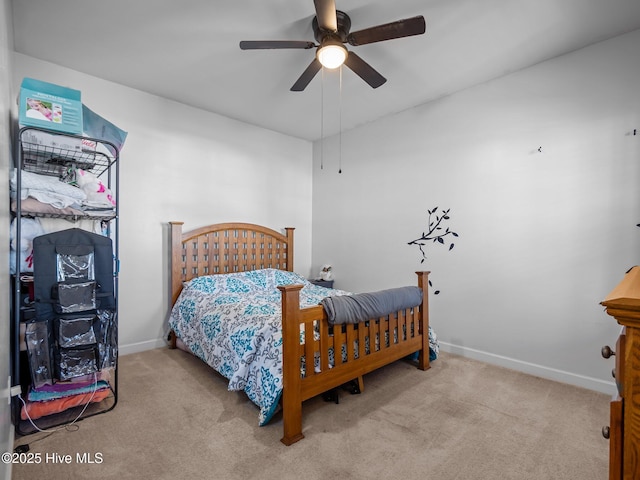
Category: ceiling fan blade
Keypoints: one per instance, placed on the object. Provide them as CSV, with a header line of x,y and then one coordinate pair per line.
x,y
388,31
307,76
266,44
326,14
364,70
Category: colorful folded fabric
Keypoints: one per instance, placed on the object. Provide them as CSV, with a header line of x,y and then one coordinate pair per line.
x,y
60,390
41,409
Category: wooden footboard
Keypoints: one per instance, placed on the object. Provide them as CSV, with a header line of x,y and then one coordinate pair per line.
x,y
367,345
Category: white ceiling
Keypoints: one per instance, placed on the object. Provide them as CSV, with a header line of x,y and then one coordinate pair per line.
x,y
188,50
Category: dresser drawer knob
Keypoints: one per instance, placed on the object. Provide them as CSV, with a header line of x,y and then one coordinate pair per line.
x,y
607,352
605,432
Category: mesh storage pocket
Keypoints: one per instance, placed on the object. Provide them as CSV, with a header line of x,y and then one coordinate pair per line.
x,y
76,331
76,266
39,352
76,362
107,333
74,297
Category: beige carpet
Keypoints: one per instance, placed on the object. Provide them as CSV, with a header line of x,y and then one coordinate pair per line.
x,y
462,420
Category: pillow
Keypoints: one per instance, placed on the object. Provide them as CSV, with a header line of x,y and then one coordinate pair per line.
x,y
239,282
206,284
282,277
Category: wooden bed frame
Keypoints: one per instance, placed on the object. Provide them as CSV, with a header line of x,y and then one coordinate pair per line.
x,y
238,247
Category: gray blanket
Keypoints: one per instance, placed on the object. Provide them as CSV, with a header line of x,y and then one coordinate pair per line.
x,y
364,306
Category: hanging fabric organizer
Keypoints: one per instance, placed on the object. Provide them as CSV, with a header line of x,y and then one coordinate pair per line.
x,y
75,301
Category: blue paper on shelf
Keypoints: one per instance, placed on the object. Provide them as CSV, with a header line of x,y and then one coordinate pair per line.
x,y
50,106
97,127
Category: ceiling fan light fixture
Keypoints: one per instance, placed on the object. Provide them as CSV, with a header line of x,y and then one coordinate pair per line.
x,y
332,54
332,31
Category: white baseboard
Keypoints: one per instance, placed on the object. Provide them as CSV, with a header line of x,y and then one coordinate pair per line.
x,y
141,346
531,368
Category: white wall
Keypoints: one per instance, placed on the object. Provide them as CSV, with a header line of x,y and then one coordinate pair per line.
x,y
6,47
181,163
544,236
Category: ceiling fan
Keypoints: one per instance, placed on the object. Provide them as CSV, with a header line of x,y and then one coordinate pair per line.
x,y
331,31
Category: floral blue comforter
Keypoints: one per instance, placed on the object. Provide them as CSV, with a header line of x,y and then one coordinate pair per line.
x,y
233,322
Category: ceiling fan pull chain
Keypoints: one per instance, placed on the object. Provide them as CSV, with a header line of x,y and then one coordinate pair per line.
x,y
340,126
322,121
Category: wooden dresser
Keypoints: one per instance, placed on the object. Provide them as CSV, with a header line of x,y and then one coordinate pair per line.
x,y
623,304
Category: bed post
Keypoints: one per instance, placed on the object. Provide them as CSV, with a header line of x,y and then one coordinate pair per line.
x,y
290,250
423,356
176,251
291,381
176,261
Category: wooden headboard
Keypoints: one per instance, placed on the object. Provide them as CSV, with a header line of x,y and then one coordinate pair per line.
x,y
226,248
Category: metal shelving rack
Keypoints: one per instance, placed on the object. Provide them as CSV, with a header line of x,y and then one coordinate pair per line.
x,y
55,157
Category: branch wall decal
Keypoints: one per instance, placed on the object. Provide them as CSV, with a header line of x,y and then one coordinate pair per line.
x,y
435,233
